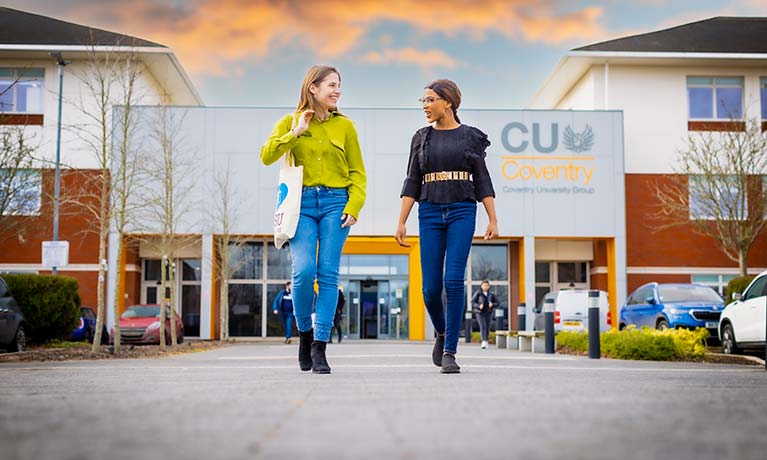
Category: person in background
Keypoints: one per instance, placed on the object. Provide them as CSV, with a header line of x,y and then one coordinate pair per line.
x,y
339,314
283,306
484,302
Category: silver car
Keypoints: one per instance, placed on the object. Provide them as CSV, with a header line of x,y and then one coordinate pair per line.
x,y
12,334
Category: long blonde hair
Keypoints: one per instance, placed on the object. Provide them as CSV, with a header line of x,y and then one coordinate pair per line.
x,y
314,76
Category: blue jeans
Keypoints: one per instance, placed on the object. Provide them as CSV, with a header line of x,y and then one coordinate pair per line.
x,y
315,252
446,231
287,323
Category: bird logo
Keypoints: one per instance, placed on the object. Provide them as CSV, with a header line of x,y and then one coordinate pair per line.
x,y
578,142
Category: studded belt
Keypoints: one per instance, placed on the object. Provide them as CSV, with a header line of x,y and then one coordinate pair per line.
x,y
446,175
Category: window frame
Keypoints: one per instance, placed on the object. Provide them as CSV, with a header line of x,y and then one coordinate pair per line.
x,y
714,102
699,216
20,75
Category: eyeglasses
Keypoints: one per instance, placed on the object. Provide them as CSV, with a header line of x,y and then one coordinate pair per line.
x,y
428,100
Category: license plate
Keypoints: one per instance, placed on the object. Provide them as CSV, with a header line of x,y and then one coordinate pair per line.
x,y
572,323
712,325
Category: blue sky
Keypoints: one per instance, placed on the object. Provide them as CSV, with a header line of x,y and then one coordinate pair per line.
x,y
254,53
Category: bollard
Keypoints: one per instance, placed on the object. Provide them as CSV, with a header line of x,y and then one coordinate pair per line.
x,y
522,316
548,313
467,323
594,351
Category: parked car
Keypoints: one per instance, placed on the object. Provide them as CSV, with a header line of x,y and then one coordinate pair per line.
x,y
139,324
571,311
742,325
86,328
13,335
664,306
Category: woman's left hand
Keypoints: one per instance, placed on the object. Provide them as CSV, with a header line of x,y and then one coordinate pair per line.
x,y
492,231
348,219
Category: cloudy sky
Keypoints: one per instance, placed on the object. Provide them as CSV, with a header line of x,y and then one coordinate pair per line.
x,y
255,52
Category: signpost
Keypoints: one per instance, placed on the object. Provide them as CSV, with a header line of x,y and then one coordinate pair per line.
x,y
55,254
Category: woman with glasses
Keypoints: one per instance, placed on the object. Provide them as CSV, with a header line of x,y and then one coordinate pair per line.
x,y
325,142
447,175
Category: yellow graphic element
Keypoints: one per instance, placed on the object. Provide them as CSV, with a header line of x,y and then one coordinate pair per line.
x,y
515,167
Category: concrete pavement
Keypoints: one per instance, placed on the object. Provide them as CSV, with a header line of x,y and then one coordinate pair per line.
x,y
383,400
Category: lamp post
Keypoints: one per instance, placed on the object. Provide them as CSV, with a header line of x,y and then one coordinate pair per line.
x,y
57,185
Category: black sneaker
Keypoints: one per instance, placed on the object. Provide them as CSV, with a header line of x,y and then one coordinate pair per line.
x,y
439,348
449,366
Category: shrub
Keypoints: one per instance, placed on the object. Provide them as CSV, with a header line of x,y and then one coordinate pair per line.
x,y
641,344
476,338
51,304
738,284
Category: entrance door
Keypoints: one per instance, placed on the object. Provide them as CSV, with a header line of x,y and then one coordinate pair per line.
x,y
367,312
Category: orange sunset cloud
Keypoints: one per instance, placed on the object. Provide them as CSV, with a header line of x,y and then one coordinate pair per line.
x,y
212,37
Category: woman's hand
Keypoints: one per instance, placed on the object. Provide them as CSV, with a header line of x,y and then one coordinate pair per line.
x,y
491,231
401,236
348,219
303,122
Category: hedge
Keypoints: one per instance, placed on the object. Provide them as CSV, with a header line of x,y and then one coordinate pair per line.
x,y
641,344
51,305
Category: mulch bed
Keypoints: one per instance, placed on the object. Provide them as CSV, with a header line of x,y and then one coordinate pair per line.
x,y
77,353
709,357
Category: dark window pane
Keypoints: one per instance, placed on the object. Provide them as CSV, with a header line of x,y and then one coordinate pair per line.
x,y
245,310
571,272
489,262
191,269
701,104
152,271
246,261
540,292
151,295
763,94
190,310
278,263
542,272
729,103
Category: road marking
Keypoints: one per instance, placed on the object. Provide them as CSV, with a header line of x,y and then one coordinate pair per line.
x,y
419,356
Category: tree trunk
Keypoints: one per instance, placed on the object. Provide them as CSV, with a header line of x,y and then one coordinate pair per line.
x,y
742,263
100,310
163,290
173,302
117,293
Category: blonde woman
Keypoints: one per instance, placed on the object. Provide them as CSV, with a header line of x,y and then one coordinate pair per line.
x,y
325,142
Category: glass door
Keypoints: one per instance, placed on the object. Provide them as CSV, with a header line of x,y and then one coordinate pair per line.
x,y
383,310
351,314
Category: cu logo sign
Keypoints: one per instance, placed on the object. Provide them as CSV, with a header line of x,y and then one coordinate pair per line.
x,y
574,141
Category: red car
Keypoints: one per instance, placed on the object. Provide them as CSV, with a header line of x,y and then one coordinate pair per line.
x,y
140,324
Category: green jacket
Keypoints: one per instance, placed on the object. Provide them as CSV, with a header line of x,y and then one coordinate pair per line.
x,y
329,152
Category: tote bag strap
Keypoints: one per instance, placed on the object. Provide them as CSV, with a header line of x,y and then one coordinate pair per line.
x,y
289,159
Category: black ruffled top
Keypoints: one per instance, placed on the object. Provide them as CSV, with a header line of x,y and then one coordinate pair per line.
x,y
435,150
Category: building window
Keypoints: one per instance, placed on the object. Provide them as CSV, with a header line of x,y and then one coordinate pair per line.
x,y
716,198
763,96
20,191
719,98
715,282
21,90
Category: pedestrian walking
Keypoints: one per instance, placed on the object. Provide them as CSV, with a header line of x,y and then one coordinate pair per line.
x,y
484,302
339,315
283,306
325,143
447,175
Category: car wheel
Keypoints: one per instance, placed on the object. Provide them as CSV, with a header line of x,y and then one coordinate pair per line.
x,y
19,343
621,327
662,325
729,345
89,335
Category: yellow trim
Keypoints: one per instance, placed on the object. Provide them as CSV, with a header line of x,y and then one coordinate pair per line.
x,y
612,281
387,245
522,270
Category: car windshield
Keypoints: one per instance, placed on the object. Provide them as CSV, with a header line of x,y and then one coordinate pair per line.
x,y
141,312
688,293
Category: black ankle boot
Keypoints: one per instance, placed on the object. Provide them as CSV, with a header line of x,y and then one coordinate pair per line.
x,y
449,366
305,349
319,361
439,348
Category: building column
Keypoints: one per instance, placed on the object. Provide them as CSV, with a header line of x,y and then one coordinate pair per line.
x,y
206,288
528,268
112,279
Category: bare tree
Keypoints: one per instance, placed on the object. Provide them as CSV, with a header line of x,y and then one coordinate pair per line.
x,y
223,219
20,183
110,82
167,202
719,188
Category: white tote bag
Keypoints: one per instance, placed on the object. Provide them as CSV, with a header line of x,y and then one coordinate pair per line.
x,y
288,198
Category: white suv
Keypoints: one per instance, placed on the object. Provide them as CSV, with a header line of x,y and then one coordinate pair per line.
x,y
742,322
